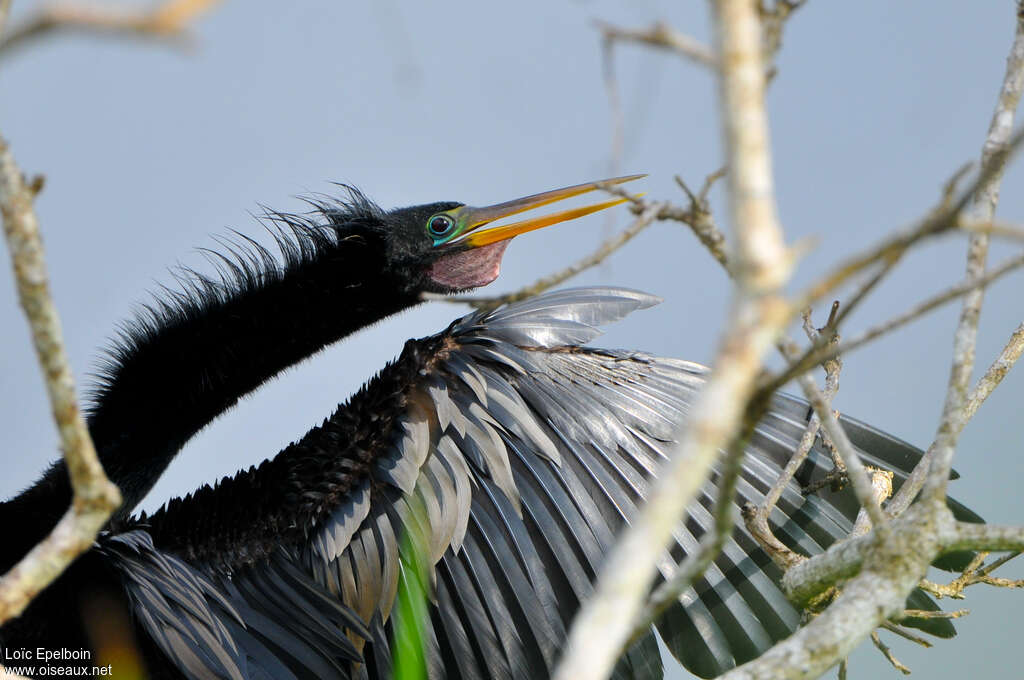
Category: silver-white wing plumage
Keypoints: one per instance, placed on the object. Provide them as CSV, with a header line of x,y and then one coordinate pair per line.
x,y
518,457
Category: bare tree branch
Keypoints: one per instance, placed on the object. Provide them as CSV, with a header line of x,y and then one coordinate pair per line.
x,y
166,20
917,311
904,633
843,560
755,517
889,566
932,472
990,537
867,562
759,314
996,372
697,216
934,614
945,218
819,353
95,497
885,255
976,572
712,542
889,570
855,469
5,10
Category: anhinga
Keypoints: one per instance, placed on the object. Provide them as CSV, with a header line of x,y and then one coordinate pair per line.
x,y
515,451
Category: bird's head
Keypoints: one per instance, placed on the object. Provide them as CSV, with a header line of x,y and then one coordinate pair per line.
x,y
448,247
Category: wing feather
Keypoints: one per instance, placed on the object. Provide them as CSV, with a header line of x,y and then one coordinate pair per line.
x,y
518,456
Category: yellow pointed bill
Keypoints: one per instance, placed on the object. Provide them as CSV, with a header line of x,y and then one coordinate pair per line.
x,y
475,218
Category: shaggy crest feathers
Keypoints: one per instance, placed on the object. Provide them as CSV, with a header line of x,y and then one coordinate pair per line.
x,y
243,267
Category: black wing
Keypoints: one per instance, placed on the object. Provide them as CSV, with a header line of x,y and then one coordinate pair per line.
x,y
519,455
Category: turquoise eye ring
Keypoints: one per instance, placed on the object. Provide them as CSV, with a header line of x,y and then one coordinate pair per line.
x,y
440,225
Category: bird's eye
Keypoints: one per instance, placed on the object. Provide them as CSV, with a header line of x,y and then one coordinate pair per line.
x,y
440,225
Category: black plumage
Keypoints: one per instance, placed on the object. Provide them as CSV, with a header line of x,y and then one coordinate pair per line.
x,y
516,451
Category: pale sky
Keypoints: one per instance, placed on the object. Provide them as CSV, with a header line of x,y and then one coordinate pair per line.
x,y
150,152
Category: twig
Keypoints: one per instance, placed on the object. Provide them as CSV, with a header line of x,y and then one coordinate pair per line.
x,y
812,356
996,372
95,497
758,315
975,573
838,470
866,492
949,189
889,252
755,517
888,571
855,470
933,614
663,36
705,188
699,219
905,634
887,653
697,216
919,529
166,20
804,447
879,574
992,566
966,286
539,286
659,35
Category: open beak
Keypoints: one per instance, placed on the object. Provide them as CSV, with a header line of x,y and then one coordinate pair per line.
x,y
475,218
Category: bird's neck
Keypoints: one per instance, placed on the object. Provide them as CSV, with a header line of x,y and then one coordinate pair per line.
x,y
193,359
